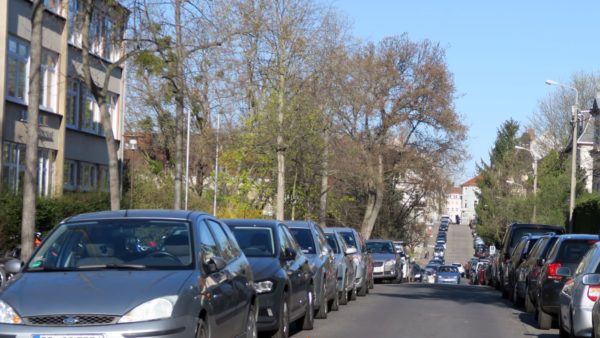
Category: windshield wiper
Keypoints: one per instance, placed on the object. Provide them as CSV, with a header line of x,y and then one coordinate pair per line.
x,y
48,268
112,266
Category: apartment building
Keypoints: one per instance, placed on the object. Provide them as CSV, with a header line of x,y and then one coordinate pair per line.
x,y
454,203
72,149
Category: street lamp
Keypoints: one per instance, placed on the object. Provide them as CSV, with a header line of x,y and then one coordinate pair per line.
x,y
575,112
535,178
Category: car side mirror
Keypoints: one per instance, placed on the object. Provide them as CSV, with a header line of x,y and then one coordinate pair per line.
x,y
13,266
350,251
215,264
289,254
591,279
540,261
563,272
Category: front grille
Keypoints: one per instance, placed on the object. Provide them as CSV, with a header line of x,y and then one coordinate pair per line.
x,y
70,320
377,264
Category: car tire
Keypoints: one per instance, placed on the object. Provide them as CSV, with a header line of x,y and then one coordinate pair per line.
x,y
362,291
562,333
352,294
284,319
544,320
517,302
371,282
343,296
307,322
334,304
529,307
202,329
251,329
322,311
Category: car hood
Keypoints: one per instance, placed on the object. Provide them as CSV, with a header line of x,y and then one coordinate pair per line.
x,y
90,292
383,257
264,267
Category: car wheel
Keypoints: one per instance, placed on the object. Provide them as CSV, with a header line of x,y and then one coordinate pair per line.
x,y
334,304
353,293
362,291
544,320
322,311
284,319
202,330
515,296
251,330
371,282
529,308
306,322
343,296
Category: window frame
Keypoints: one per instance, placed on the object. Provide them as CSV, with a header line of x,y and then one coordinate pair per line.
x,y
19,60
70,185
49,87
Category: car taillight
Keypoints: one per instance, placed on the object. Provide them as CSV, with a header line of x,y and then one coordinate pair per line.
x,y
552,267
593,292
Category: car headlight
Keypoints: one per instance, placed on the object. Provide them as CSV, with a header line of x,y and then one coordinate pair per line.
x,y
8,315
157,308
264,286
390,264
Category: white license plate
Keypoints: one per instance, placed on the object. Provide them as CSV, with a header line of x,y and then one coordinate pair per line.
x,y
67,336
378,269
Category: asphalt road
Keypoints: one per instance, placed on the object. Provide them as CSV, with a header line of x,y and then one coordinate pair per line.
x,y
425,310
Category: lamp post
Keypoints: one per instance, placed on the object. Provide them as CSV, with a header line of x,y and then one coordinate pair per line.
x,y
535,178
575,112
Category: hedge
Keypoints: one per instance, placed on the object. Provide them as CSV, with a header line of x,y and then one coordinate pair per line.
x,y
586,215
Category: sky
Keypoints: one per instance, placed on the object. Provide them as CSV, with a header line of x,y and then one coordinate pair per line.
x,y
500,52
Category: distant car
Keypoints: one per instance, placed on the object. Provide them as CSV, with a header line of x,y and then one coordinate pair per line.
x,y
416,273
439,251
430,273
363,261
567,252
447,274
314,245
513,234
345,266
284,280
387,264
399,246
460,268
91,281
579,295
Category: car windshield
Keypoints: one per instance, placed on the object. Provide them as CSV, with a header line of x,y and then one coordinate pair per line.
x,y
116,244
572,251
332,243
380,247
349,238
447,269
255,241
304,237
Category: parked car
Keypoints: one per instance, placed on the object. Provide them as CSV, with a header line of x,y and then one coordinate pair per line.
x,y
447,274
438,251
567,252
430,273
387,264
460,268
363,261
399,246
284,279
110,289
513,234
311,239
516,286
345,266
416,273
478,273
529,271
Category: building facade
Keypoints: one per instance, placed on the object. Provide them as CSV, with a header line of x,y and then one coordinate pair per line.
x,y
72,148
470,199
454,203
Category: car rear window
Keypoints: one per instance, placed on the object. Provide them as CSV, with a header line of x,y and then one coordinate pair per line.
x,y
520,232
381,247
304,237
349,238
255,241
332,243
572,251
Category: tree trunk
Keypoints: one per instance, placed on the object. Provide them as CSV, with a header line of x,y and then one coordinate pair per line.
x,y
31,153
179,101
112,149
375,199
324,180
280,198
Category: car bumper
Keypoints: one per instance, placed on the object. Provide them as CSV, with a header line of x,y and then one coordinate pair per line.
x,y
549,300
448,281
582,322
168,328
385,274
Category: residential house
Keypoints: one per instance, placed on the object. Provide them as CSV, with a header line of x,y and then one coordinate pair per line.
x,y
453,203
470,199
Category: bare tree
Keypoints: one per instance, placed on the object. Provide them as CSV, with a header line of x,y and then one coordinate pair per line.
x,y
31,153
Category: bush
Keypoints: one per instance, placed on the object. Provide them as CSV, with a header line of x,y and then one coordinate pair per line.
x,y
50,211
586,216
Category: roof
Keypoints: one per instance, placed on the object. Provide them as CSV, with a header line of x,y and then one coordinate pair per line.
x,y
251,222
472,182
298,224
141,213
455,190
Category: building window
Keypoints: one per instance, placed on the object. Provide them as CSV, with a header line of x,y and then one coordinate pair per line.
x,y
48,81
104,184
73,104
89,177
74,24
16,74
108,39
89,112
42,118
70,175
44,172
14,168
53,5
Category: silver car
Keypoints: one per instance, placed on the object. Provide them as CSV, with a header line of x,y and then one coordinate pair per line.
x,y
579,294
135,273
346,273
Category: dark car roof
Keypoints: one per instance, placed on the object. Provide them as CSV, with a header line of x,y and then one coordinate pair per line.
x,y
537,226
379,241
298,224
251,222
142,213
341,229
577,236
